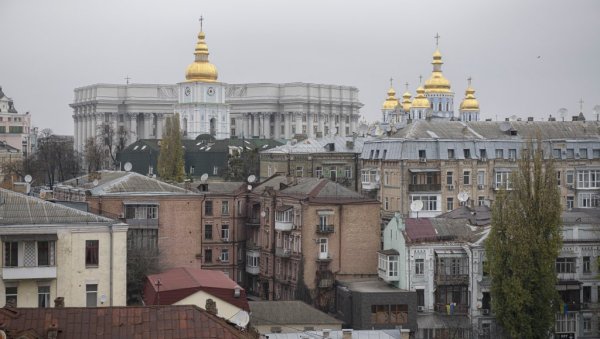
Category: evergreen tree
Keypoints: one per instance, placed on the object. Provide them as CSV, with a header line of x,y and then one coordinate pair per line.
x,y
170,159
524,242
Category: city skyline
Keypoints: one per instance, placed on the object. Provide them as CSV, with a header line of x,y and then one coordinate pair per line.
x,y
525,59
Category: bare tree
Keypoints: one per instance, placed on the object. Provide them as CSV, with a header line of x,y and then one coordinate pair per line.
x,y
94,155
112,141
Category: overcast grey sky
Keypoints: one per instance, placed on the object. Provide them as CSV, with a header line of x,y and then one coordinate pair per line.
x,y
528,58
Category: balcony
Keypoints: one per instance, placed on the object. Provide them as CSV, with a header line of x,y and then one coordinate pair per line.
x,y
324,256
284,226
252,246
254,270
324,229
456,309
370,185
142,223
424,187
452,279
253,222
22,272
252,261
283,252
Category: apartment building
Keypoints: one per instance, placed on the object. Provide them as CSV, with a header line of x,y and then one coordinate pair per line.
x,y
305,233
433,161
51,251
334,158
15,127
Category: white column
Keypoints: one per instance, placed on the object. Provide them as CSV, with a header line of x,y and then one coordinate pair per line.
x,y
159,125
322,124
267,124
309,124
277,127
298,117
286,125
343,124
255,122
133,128
332,124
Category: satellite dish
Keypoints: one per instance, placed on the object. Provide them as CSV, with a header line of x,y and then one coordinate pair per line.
x,y
28,178
251,178
95,182
263,214
463,196
249,187
242,318
204,177
127,166
416,206
389,128
505,126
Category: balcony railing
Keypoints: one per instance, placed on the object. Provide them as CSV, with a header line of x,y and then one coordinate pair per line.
x,y
23,272
283,226
385,275
283,252
142,223
324,228
452,279
424,187
323,256
456,309
253,222
370,185
255,270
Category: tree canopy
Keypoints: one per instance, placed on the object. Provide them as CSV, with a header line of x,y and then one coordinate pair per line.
x,y
524,242
170,159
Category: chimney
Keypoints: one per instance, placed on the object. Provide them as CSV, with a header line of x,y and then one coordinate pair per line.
x,y
59,302
52,332
529,118
211,307
575,118
346,334
326,333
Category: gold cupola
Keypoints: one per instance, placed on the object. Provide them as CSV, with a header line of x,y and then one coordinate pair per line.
x,y
406,102
437,83
469,103
420,100
391,102
201,69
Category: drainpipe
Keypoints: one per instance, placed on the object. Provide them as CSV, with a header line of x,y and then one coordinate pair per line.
x,y
111,263
341,211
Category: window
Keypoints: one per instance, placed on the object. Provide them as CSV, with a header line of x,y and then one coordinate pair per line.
x,y
480,177
384,152
483,153
570,202
208,232
91,253
422,154
11,254
224,255
449,178
588,179
225,232
570,153
208,208
570,178
419,266
430,202
499,153
43,296
323,248
11,295
587,265
467,153
319,172
376,154
208,255
467,177
141,212
588,200
480,201
348,170
587,324
565,265
556,153
215,170
583,153
225,207
512,154
558,178
587,294
565,322
45,253
285,216
15,129
420,297
252,261
449,204
502,180
451,154
368,176
386,178
91,295
392,269
333,173
299,171
596,153
389,314
386,203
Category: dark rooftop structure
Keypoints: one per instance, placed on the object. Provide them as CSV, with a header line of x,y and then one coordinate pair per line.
x,y
168,321
287,312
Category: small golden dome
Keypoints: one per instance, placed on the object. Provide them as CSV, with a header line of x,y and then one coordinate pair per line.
x,y
391,102
469,103
437,83
406,102
201,69
420,101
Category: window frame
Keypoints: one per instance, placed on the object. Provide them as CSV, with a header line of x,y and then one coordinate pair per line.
x,y
92,253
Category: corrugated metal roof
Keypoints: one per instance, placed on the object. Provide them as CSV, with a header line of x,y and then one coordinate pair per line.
x,y
19,209
287,313
319,145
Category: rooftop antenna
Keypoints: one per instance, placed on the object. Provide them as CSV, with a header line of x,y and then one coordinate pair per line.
x,y
581,105
416,206
127,78
597,111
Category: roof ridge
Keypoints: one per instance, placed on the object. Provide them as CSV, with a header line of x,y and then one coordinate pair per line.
x,y
315,191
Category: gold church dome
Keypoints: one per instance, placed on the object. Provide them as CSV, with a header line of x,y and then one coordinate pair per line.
x,y
391,102
201,69
420,101
437,83
469,103
406,102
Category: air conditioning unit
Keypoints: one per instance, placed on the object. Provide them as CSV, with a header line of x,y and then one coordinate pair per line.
x,y
422,159
420,308
450,187
485,312
480,187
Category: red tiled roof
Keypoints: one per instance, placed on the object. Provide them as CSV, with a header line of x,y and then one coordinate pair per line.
x,y
167,321
178,283
419,229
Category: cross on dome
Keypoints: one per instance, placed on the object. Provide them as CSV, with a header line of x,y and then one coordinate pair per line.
x,y
437,39
201,21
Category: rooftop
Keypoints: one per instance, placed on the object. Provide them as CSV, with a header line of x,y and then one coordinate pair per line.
x,y
320,145
287,312
442,230
20,209
369,285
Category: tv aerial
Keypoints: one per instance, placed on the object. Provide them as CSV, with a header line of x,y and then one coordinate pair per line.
x,y
204,177
416,206
597,112
563,113
127,166
463,196
95,182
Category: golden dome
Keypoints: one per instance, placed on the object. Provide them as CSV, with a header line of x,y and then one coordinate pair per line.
x,y
420,101
406,102
201,69
469,103
391,102
437,83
